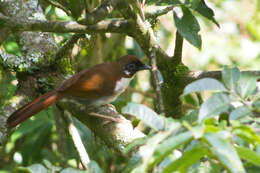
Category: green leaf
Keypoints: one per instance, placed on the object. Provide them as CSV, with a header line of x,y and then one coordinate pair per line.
x,y
204,84
139,161
216,104
230,77
188,27
94,168
35,168
225,152
147,115
204,10
188,158
245,132
72,170
167,146
240,112
248,155
197,131
246,85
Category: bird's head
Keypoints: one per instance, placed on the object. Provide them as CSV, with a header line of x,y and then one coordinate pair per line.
x,y
130,64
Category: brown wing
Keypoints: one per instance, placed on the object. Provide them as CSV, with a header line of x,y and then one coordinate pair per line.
x,y
91,83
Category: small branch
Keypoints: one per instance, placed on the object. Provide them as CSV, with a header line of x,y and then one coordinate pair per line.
x,y
68,46
177,57
21,24
76,139
101,12
160,106
215,74
159,12
56,4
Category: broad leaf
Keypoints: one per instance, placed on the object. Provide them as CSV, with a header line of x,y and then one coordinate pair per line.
x,y
201,7
246,85
224,151
35,168
139,161
188,158
147,115
205,84
216,104
72,170
197,131
248,155
167,146
230,77
245,132
240,112
188,27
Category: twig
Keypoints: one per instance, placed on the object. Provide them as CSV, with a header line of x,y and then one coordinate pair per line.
x,y
157,82
159,12
101,12
177,57
68,46
217,74
56,4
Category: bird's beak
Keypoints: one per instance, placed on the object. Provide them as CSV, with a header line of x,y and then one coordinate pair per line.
x,y
145,67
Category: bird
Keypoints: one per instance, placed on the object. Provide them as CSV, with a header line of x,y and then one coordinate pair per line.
x,y
95,86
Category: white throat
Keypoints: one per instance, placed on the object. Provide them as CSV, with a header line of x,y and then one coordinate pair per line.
x,y
121,85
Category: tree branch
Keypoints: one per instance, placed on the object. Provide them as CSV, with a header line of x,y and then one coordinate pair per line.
x,y
158,12
115,134
177,57
21,24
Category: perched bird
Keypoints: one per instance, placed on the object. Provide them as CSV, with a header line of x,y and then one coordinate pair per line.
x,y
95,86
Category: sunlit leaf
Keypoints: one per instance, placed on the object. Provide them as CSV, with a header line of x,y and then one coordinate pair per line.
x,y
139,161
248,155
35,168
205,84
72,170
245,132
240,112
188,158
147,115
230,77
188,27
167,146
225,152
216,104
246,85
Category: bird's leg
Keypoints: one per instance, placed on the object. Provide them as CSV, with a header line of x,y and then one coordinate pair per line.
x,y
118,120
108,111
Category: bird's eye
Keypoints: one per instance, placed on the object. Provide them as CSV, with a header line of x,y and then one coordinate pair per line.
x,y
131,67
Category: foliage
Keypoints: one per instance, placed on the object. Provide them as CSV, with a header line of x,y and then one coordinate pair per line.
x,y
229,143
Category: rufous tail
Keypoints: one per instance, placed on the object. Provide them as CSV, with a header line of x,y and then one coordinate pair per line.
x,y
32,108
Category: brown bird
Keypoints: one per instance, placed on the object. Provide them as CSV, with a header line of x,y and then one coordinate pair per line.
x,y
96,86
